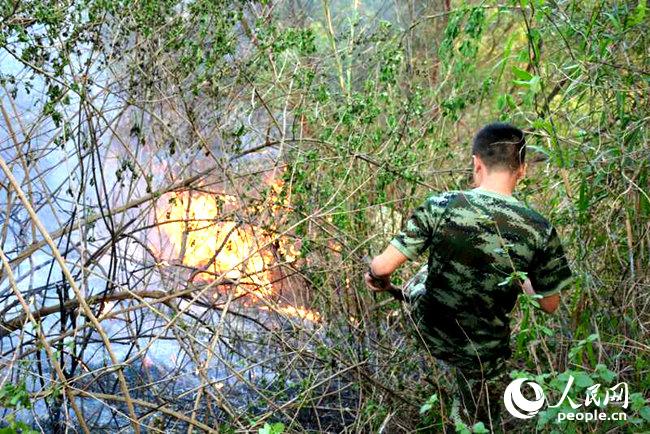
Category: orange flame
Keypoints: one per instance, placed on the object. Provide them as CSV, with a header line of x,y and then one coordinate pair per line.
x,y
218,248
202,237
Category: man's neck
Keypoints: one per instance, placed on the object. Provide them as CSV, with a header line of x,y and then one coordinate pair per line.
x,y
497,183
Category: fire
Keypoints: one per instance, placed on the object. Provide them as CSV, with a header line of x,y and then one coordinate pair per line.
x,y
204,235
300,312
295,312
234,251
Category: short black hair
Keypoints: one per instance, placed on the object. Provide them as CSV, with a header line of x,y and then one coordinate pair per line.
x,y
500,146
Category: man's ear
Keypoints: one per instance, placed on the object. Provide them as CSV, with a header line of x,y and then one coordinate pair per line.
x,y
478,170
521,172
476,162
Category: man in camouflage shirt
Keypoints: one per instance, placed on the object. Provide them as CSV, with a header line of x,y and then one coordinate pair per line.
x,y
480,243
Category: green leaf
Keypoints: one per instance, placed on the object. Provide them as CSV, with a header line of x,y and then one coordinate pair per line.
x,y
429,404
461,428
535,84
505,282
542,124
521,275
582,379
479,428
505,101
276,428
639,13
547,331
605,373
521,74
645,413
637,400
614,21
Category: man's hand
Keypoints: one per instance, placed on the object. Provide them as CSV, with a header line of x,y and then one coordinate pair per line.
x,y
381,285
378,283
550,303
381,267
547,304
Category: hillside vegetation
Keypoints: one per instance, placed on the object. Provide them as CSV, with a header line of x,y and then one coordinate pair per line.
x,y
189,191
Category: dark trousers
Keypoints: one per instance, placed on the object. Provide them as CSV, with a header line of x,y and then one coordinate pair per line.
x,y
478,387
480,398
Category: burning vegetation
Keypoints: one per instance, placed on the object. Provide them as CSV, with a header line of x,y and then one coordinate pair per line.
x,y
212,235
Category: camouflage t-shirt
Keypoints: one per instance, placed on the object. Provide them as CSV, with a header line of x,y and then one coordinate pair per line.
x,y
475,240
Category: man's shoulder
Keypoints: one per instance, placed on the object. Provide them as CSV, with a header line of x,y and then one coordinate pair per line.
x,y
436,203
517,205
517,212
535,218
442,198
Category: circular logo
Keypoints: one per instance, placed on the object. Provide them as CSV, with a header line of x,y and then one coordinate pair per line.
x,y
515,402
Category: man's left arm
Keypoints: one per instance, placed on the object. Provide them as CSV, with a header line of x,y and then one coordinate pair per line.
x,y
550,273
549,303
